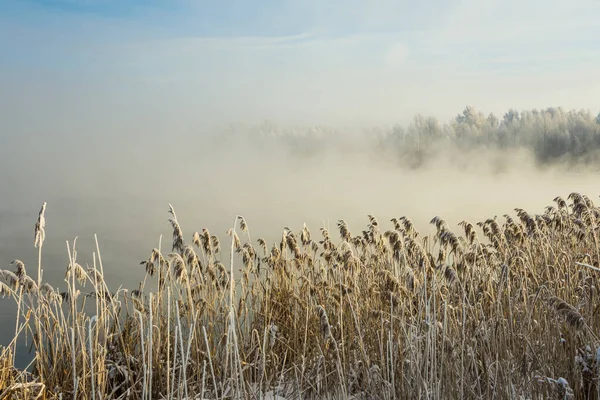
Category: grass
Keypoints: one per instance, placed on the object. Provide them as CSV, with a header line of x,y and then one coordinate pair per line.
x,y
505,309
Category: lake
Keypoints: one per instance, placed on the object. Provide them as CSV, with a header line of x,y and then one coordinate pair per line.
x,y
122,194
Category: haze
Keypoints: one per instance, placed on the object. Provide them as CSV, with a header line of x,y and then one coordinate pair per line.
x,y
109,112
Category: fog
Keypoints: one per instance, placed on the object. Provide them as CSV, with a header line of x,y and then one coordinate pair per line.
x,y
119,187
120,190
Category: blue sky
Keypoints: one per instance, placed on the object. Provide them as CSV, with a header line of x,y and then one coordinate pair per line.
x,y
327,61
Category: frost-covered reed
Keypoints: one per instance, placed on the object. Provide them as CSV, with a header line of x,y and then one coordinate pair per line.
x,y
505,308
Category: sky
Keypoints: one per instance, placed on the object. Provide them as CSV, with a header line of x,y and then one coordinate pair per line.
x,y
184,63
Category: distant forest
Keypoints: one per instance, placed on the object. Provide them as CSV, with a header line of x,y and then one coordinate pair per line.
x,y
552,135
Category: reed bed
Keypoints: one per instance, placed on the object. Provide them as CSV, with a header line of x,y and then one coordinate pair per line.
x,y
503,308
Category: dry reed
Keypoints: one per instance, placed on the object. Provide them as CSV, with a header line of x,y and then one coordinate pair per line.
x,y
383,314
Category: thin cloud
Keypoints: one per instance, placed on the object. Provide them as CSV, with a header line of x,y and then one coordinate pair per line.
x,y
334,61
396,55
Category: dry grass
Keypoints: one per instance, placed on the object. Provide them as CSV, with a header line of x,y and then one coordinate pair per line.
x,y
387,314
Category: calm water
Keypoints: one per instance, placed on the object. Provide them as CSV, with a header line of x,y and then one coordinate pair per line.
x,y
122,195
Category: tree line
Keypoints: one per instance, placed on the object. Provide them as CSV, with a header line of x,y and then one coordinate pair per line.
x,y
551,135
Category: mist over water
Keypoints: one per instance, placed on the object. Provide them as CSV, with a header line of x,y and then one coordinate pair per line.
x,y
121,192
121,189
